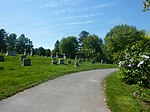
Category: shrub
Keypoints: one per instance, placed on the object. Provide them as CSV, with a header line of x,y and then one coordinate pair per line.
x,y
136,64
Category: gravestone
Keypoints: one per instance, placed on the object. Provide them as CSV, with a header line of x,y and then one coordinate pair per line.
x,y
64,56
61,61
25,52
26,62
76,57
31,53
101,61
22,57
80,60
54,62
11,53
1,58
68,61
76,64
93,61
57,55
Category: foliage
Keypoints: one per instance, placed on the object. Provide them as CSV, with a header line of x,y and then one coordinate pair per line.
x,y
146,5
118,38
83,35
69,46
3,34
92,46
11,41
41,51
23,43
56,47
136,64
120,96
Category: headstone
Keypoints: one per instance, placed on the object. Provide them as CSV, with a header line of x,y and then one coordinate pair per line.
x,y
76,64
25,51
64,56
93,61
101,61
80,60
57,55
54,62
31,53
11,53
22,57
68,61
1,58
76,57
26,62
61,61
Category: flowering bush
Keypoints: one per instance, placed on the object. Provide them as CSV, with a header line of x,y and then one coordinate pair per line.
x,y
136,64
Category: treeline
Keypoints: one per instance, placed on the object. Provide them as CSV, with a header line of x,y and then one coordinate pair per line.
x,y
87,46
11,42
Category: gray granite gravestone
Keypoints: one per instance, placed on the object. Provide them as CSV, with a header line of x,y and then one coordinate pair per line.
x,y
26,62
1,58
68,61
76,64
61,61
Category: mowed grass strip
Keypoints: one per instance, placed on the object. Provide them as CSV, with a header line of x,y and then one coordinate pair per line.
x,y
15,78
119,96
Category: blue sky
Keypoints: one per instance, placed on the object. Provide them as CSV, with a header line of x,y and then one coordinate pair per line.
x,y
45,21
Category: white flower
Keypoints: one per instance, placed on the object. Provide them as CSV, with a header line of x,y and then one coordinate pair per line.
x,y
141,63
121,63
144,56
130,65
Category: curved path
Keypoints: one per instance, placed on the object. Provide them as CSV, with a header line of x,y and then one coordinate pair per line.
x,y
77,92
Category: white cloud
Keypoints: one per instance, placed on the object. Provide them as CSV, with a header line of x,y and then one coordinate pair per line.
x,y
84,16
63,10
98,6
81,22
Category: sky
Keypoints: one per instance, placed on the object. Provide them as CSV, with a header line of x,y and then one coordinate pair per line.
x,y
45,21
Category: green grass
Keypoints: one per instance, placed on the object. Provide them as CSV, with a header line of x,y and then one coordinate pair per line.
x,y
120,98
15,78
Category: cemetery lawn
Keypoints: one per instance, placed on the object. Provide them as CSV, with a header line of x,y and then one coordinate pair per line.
x,y
120,98
15,78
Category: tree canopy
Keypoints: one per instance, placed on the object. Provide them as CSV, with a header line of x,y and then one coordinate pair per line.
x,y
68,46
119,37
146,6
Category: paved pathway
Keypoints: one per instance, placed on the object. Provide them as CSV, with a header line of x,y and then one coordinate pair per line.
x,y
77,92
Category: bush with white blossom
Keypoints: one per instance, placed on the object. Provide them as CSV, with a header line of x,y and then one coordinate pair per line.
x,y
136,64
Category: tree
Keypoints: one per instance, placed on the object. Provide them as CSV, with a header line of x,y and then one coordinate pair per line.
x,y
11,41
56,47
69,46
92,46
146,5
119,38
2,41
47,52
41,51
83,35
23,43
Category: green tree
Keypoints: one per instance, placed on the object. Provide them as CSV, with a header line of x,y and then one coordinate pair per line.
x,y
23,43
56,47
41,51
11,41
69,46
119,38
47,52
146,6
3,34
83,35
92,46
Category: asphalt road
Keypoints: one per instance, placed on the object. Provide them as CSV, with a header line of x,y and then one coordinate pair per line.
x,y
77,92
